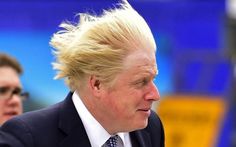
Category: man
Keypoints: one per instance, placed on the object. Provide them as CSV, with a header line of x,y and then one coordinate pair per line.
x,y
109,64
10,88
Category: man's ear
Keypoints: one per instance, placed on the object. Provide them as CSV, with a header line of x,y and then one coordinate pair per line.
x,y
95,85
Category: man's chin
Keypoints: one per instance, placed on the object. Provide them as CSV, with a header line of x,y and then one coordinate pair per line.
x,y
143,124
8,116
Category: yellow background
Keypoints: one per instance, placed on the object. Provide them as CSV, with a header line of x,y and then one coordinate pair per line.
x,y
191,121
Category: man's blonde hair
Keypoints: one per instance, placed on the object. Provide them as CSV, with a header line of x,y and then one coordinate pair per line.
x,y
97,45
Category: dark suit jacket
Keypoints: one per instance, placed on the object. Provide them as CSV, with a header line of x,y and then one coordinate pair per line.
x,y
60,126
7,140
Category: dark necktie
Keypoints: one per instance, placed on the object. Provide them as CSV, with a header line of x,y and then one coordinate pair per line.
x,y
112,141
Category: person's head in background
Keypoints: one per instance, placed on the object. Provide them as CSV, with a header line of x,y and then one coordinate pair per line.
x,y
10,88
110,61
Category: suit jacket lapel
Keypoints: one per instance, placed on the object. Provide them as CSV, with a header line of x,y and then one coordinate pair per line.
x,y
72,126
140,138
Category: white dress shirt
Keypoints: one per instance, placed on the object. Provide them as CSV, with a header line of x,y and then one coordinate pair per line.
x,y
96,133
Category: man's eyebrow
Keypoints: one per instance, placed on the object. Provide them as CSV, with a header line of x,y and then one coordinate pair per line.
x,y
18,88
145,75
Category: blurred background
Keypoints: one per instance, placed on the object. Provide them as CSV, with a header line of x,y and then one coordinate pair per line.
x,y
196,56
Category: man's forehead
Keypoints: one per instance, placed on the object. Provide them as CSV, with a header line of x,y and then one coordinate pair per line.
x,y
9,77
140,58
145,70
152,69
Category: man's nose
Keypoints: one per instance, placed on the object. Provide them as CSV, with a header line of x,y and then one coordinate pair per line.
x,y
153,93
14,99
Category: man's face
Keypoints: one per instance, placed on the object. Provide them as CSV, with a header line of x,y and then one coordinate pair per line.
x,y
9,106
127,104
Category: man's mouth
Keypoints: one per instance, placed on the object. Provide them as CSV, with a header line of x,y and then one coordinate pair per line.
x,y
146,111
10,113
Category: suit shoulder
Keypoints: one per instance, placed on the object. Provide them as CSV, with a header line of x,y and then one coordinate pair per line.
x,y
29,125
7,140
40,115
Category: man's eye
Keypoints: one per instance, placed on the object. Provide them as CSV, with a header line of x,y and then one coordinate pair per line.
x,y
17,91
142,82
3,90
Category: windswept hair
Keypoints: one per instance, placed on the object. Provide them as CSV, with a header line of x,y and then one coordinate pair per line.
x,y
97,45
8,61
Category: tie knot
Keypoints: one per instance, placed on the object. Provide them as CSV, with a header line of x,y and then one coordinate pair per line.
x,y
112,141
